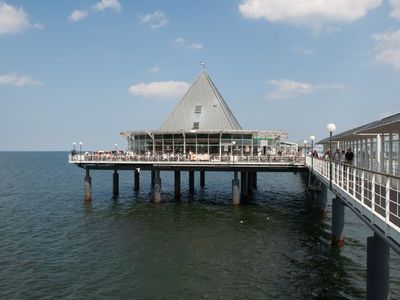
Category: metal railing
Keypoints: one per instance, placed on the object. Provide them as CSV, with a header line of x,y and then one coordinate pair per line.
x,y
378,193
224,159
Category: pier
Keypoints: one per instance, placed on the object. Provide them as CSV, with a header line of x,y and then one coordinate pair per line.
x,y
202,135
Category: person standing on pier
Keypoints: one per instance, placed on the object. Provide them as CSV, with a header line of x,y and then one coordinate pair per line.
x,y
337,156
349,157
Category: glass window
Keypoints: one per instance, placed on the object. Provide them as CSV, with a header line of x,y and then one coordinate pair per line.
x,y
197,109
196,125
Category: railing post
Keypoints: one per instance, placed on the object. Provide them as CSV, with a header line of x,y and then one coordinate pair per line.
x,y
387,202
373,193
354,181
342,171
362,186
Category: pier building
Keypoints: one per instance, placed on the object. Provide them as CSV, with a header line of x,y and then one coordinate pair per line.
x,y
375,145
203,126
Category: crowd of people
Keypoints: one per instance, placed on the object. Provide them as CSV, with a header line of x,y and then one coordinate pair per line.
x,y
338,156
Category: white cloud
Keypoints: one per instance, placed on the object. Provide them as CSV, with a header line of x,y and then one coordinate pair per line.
x,y
387,48
285,89
107,4
182,43
154,70
15,80
303,51
160,89
395,13
155,20
314,13
78,15
15,20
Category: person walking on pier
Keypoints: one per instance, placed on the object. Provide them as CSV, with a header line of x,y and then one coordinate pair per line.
x,y
337,156
349,156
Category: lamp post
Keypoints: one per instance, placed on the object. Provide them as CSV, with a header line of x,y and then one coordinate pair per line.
x,y
73,150
305,150
116,150
312,139
80,151
330,128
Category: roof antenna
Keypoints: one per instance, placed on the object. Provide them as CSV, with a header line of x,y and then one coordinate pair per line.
x,y
203,64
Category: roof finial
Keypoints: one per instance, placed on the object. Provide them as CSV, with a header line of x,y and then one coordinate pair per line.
x,y
203,64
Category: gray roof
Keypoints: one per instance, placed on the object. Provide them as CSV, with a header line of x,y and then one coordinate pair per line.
x,y
214,112
389,124
349,135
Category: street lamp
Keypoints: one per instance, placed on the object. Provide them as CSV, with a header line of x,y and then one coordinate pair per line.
x,y
312,139
305,149
73,151
330,128
80,151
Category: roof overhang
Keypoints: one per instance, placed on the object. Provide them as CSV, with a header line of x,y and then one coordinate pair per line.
x,y
233,131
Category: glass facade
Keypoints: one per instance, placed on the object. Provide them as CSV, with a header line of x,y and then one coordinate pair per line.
x,y
241,144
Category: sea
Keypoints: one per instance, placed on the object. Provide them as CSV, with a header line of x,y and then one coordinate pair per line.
x,y
53,245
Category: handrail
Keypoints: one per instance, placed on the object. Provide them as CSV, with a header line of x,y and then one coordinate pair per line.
x,y
205,158
376,192
356,167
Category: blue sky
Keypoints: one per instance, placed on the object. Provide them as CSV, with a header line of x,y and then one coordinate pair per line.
x,y
82,71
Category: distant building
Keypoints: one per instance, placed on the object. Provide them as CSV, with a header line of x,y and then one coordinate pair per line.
x,y
203,124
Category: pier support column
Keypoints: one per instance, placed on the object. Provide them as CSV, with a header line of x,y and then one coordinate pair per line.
x,y
235,189
250,179
136,185
202,178
243,184
88,186
191,182
115,183
157,187
254,180
337,222
177,177
152,176
377,268
322,199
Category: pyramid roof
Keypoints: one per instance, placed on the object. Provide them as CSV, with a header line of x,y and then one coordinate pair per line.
x,y
202,108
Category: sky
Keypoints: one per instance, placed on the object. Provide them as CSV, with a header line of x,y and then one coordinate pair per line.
x,y
83,71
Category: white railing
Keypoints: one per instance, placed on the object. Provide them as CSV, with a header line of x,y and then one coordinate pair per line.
x,y
224,159
378,193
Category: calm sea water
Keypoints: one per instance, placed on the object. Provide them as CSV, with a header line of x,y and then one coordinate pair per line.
x,y
53,245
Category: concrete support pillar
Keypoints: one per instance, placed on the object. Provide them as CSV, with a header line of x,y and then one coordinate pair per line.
x,y
191,182
377,268
157,187
202,178
243,184
235,190
254,180
137,180
322,199
337,222
250,179
88,186
177,178
153,176
115,183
